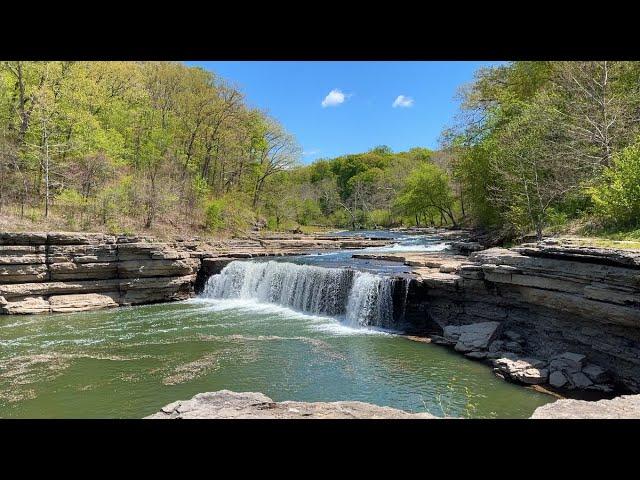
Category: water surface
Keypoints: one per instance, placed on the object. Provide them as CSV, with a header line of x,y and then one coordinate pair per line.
x,y
129,362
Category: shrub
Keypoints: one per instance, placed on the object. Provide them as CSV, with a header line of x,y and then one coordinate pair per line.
x,y
617,198
228,213
70,203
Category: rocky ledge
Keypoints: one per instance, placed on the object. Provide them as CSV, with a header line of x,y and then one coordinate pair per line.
x,y
69,272
61,272
225,404
553,313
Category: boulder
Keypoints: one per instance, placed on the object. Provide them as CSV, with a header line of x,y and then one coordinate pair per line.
x,y
473,337
557,379
24,306
595,373
580,380
573,360
525,370
82,302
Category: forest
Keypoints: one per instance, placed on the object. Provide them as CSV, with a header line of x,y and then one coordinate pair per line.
x,y
537,147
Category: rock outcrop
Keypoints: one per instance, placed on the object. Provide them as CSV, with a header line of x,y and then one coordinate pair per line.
x,y
568,316
225,404
60,272
623,407
51,272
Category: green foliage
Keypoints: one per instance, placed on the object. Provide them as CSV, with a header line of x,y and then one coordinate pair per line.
x,y
427,194
143,144
381,218
230,213
535,136
70,203
215,214
617,198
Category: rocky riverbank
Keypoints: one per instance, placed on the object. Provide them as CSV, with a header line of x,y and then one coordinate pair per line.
x,y
552,313
54,272
549,313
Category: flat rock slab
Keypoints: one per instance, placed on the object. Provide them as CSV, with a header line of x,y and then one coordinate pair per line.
x,y
625,406
474,336
225,404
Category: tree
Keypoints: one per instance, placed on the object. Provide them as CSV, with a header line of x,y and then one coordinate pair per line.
x,y
428,191
277,151
617,197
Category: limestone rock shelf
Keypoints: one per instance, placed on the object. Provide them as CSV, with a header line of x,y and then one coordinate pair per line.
x,y
564,315
225,404
623,407
71,272
51,272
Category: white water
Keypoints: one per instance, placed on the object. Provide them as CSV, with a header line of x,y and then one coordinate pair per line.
x,y
358,298
409,244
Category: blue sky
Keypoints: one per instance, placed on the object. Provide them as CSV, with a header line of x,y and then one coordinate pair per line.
x,y
359,114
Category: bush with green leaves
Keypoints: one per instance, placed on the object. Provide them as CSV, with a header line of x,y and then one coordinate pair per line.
x,y
230,213
617,198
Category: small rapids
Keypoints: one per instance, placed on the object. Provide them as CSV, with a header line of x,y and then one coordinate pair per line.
x,y
357,298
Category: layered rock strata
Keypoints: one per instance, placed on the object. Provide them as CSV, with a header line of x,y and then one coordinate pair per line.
x,y
564,315
56,272
70,272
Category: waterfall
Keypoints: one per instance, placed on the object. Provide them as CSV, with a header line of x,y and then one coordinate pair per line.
x,y
360,298
370,300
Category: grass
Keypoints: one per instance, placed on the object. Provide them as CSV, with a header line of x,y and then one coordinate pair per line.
x,y
608,242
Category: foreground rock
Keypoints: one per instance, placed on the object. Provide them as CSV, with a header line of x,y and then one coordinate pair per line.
x,y
624,407
225,404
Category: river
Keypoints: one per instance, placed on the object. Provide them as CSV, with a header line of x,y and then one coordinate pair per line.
x,y
299,328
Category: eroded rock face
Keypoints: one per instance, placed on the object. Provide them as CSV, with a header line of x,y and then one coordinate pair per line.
x,y
623,407
225,404
575,308
73,272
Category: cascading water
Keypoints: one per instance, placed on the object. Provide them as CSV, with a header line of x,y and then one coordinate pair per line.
x,y
370,300
360,298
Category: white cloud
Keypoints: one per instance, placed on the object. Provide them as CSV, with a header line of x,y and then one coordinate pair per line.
x,y
402,101
334,98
